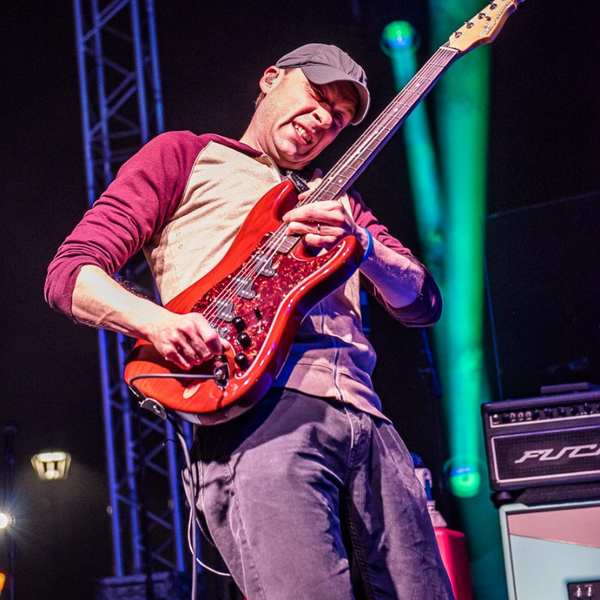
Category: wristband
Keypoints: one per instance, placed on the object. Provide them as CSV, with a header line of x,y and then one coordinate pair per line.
x,y
369,249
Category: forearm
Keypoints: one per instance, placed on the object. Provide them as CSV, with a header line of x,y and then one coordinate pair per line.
x,y
186,339
398,279
98,300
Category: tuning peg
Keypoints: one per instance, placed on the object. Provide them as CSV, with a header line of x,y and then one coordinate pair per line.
x,y
493,5
468,24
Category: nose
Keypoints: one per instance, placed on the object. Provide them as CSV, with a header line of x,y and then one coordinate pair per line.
x,y
323,117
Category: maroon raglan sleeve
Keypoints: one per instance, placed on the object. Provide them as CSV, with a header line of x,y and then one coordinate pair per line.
x,y
137,203
427,308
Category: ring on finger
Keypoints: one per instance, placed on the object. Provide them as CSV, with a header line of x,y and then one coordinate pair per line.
x,y
319,228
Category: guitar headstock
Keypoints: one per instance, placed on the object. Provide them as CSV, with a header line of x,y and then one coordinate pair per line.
x,y
484,26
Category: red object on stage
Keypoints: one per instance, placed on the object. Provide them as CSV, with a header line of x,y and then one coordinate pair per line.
x,y
453,548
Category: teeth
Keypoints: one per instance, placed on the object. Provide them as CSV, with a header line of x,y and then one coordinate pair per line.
x,y
302,132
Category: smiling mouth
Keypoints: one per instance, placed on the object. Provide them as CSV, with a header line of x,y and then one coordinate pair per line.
x,y
302,133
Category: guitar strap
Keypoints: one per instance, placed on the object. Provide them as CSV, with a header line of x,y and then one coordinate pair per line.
x,y
299,183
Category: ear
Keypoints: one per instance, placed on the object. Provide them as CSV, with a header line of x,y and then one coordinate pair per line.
x,y
270,79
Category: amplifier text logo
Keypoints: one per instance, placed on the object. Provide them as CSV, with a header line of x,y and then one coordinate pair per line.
x,y
568,452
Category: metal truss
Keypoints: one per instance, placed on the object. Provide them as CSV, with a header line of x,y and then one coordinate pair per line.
x,y
121,110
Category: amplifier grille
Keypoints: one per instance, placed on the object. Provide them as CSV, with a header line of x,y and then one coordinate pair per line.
x,y
543,455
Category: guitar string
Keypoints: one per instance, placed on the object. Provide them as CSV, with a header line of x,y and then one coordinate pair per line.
x,y
247,276
383,124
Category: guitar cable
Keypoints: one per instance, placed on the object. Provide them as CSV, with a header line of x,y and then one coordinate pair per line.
x,y
192,486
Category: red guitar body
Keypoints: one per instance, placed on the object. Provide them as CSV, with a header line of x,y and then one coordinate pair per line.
x,y
292,284
273,297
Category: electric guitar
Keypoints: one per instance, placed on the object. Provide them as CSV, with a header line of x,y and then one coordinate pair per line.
x,y
260,292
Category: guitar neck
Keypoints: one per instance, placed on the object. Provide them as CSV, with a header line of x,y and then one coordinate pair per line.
x,y
347,170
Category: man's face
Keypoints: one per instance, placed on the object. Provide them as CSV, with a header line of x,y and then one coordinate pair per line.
x,y
298,119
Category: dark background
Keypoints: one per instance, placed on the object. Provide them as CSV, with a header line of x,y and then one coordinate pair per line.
x,y
544,131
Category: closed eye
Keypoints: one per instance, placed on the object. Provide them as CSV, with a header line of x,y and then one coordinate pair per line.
x,y
339,117
318,94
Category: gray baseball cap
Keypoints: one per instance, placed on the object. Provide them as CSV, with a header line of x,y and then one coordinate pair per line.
x,y
322,63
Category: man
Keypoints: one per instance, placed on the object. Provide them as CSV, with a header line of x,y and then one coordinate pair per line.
x,y
310,494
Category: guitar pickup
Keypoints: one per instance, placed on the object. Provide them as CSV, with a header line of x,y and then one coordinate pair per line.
x,y
265,266
244,288
224,310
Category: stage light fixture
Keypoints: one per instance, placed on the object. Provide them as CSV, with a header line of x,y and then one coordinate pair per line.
x,y
6,520
51,465
399,35
465,482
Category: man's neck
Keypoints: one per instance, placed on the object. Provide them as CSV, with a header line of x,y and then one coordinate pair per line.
x,y
250,140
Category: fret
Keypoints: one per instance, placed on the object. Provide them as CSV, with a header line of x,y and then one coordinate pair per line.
x,y
404,104
373,145
421,78
418,91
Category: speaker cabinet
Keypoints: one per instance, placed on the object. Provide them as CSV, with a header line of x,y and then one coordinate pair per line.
x,y
552,552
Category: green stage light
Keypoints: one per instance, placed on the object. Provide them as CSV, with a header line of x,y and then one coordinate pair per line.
x,y
399,35
462,114
463,476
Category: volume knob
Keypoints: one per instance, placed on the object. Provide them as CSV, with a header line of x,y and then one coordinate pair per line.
x,y
241,360
239,324
245,340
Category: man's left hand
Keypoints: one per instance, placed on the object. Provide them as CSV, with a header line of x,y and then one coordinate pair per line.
x,y
323,224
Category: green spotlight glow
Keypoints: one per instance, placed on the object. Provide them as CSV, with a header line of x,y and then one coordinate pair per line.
x,y
464,478
462,117
462,113
399,35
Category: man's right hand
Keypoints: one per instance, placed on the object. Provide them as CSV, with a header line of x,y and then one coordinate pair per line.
x,y
185,340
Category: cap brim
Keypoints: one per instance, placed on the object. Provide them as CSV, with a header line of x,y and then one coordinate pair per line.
x,y
322,74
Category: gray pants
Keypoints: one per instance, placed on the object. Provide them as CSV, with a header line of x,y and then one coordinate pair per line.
x,y
308,499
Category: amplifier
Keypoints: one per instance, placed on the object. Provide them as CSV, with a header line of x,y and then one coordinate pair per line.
x,y
543,441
